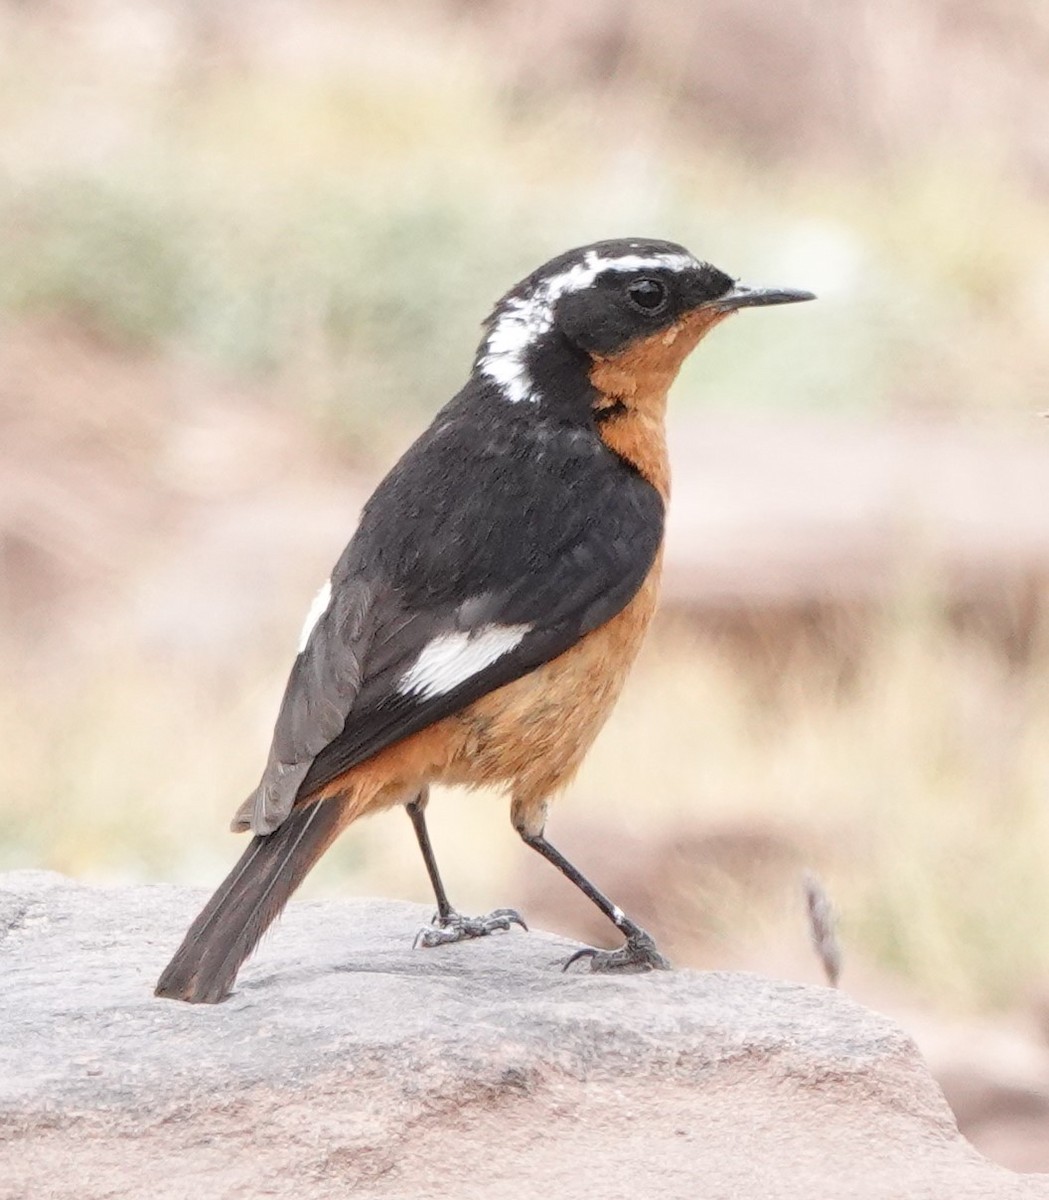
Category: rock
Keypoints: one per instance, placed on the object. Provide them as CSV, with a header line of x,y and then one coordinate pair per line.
x,y
349,1062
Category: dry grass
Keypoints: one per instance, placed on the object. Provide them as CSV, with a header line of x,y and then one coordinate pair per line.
x,y
919,789
922,785
313,206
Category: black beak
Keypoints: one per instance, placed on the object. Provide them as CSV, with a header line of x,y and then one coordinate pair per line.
x,y
739,296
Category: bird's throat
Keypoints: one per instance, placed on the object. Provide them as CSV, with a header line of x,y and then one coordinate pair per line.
x,y
631,394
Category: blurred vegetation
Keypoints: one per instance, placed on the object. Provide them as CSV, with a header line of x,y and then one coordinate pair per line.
x,y
325,201
343,224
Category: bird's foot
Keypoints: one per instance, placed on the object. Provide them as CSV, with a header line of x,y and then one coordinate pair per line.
x,y
636,955
456,928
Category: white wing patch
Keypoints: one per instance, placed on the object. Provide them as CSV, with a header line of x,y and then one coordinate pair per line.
x,y
317,610
453,658
525,318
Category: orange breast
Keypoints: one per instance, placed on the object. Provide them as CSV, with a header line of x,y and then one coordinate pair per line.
x,y
533,734
529,736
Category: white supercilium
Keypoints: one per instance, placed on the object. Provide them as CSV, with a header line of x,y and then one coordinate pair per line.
x,y
453,658
526,318
317,609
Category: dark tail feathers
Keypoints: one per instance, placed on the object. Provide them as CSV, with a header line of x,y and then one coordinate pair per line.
x,y
248,901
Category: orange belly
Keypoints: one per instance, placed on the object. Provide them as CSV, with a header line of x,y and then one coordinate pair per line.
x,y
529,736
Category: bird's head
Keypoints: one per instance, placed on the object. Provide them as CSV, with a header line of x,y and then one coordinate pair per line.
x,y
611,318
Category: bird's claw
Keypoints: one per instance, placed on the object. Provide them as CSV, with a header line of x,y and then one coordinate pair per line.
x,y
457,928
637,955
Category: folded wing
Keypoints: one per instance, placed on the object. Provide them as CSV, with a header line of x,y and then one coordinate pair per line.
x,y
474,564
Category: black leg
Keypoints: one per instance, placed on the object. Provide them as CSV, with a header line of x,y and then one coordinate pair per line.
x,y
448,925
417,812
639,953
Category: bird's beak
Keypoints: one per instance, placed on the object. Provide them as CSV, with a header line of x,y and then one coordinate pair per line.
x,y
739,296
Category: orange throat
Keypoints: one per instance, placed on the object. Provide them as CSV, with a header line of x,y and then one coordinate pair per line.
x,y
632,387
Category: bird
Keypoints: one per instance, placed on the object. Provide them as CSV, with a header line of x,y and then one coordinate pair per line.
x,y
479,626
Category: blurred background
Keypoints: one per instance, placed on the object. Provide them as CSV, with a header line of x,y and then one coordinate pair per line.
x,y
245,248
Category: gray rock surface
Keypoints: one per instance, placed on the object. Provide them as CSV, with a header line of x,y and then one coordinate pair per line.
x,y
348,1063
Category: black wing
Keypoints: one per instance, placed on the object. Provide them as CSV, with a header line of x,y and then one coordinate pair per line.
x,y
494,532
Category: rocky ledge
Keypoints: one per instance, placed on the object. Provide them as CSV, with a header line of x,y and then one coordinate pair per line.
x,y
349,1062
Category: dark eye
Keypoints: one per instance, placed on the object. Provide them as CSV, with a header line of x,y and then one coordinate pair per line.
x,y
649,295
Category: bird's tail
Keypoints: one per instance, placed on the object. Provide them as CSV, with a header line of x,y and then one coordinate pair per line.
x,y
250,899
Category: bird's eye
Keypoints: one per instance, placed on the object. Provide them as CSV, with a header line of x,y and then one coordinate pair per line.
x,y
649,295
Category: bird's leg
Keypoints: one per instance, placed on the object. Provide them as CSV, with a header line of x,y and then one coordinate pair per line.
x,y
638,954
448,925
416,810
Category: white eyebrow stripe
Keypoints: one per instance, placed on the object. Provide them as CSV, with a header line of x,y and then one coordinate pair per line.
x,y
317,610
453,658
524,319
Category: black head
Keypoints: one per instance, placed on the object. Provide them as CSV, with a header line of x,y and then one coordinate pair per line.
x,y
599,299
